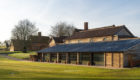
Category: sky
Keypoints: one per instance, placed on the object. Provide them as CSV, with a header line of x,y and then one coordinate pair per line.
x,y
46,13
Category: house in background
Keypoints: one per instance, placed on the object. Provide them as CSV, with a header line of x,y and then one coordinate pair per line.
x,y
18,45
39,42
60,40
111,46
36,42
56,41
108,33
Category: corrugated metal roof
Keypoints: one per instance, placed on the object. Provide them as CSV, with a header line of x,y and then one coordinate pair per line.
x,y
111,46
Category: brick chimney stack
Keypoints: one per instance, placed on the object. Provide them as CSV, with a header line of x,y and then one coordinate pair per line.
x,y
85,25
39,34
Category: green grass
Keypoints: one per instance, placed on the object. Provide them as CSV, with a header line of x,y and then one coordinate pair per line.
x,y
9,52
23,70
2,47
22,55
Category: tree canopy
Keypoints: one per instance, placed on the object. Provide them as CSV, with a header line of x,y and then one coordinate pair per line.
x,y
62,29
23,30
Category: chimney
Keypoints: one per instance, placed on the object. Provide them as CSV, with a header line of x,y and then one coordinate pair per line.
x,y
39,34
85,25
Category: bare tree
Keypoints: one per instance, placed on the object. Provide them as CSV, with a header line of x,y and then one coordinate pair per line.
x,y
23,30
62,29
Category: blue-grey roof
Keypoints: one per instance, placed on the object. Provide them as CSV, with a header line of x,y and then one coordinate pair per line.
x,y
110,46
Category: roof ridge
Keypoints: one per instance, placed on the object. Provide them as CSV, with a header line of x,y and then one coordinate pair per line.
x,y
39,36
105,27
97,32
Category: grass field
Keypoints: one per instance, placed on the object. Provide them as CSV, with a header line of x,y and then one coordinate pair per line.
x,y
21,55
24,70
9,52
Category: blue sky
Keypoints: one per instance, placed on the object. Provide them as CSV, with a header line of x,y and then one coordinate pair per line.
x,y
46,13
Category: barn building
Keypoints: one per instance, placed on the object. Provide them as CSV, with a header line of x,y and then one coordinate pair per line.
x,y
38,42
35,43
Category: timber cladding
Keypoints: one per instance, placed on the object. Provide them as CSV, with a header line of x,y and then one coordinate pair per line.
x,y
114,60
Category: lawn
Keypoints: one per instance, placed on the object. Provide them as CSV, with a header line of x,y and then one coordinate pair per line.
x,y
25,70
21,55
9,52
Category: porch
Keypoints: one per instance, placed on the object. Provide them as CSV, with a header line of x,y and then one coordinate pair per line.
x,y
91,59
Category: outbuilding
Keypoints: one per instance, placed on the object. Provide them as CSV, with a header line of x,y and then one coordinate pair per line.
x,y
117,54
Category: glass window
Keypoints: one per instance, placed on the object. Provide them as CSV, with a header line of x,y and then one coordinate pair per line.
x,y
73,56
86,57
47,57
98,59
63,56
53,57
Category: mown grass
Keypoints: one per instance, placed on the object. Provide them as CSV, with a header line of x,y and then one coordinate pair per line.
x,y
9,52
24,70
22,55
2,47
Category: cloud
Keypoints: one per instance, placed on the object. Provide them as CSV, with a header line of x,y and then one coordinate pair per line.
x,y
46,13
